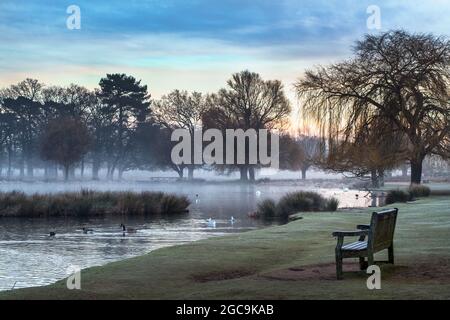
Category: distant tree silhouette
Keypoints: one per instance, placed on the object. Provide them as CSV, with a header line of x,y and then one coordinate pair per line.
x,y
310,148
126,103
181,110
65,141
249,102
24,116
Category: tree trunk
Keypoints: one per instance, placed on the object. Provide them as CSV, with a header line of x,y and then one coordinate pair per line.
x,y
381,178
190,173
66,172
30,168
416,170
95,169
303,174
243,173
72,172
374,178
9,162
22,167
82,168
251,173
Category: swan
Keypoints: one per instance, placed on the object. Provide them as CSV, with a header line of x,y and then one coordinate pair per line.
x,y
211,223
232,219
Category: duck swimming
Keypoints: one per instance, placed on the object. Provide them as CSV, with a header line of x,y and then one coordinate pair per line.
x,y
128,230
52,234
86,230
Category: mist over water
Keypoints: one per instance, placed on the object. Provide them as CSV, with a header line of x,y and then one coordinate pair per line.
x,y
29,257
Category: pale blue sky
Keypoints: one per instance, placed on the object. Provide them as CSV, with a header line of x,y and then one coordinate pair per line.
x,y
192,44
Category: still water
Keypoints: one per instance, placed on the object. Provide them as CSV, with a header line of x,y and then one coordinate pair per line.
x,y
29,257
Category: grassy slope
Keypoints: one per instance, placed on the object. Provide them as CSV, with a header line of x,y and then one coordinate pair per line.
x,y
255,265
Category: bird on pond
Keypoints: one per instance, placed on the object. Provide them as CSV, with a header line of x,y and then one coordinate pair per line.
x,y
86,230
232,220
52,234
128,230
211,223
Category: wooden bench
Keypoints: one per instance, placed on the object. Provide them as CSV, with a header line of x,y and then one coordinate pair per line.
x,y
380,236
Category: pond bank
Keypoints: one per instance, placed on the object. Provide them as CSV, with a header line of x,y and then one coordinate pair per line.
x,y
293,261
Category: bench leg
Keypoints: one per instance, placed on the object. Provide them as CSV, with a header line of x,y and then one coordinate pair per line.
x,y
370,259
362,263
391,254
339,275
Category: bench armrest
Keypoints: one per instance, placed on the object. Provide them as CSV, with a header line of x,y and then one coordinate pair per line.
x,y
341,234
363,226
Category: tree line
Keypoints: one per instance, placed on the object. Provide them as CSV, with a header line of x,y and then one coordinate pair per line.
x,y
118,127
383,108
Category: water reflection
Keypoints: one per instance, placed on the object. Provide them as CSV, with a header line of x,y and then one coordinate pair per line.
x,y
29,257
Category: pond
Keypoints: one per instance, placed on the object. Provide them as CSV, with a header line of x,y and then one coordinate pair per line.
x,y
29,257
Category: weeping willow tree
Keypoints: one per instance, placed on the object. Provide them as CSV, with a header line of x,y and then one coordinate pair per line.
x,y
363,152
394,92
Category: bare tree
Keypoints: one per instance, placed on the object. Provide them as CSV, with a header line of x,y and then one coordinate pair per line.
x,y
65,141
249,102
180,109
400,77
310,147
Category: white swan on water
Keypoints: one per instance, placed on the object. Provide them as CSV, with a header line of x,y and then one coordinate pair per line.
x,y
211,223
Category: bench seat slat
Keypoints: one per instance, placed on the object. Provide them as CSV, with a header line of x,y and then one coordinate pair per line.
x,y
355,246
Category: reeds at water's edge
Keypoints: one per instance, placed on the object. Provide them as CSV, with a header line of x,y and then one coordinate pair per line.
x,y
90,203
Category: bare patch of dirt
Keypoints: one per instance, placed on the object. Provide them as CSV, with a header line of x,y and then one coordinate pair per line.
x,y
326,271
221,275
433,270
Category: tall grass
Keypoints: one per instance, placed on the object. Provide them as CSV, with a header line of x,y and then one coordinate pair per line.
x,y
419,191
394,196
414,191
296,202
90,203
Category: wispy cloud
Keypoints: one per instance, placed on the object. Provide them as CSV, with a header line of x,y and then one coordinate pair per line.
x,y
200,40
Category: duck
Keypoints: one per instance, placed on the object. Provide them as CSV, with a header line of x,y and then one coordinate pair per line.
x,y
232,220
52,234
211,223
86,230
128,230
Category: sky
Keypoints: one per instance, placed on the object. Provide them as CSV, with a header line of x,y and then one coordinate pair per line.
x,y
193,44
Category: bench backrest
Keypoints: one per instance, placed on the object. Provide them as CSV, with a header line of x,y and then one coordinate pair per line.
x,y
382,227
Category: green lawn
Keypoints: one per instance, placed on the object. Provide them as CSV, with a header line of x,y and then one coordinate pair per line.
x,y
293,261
